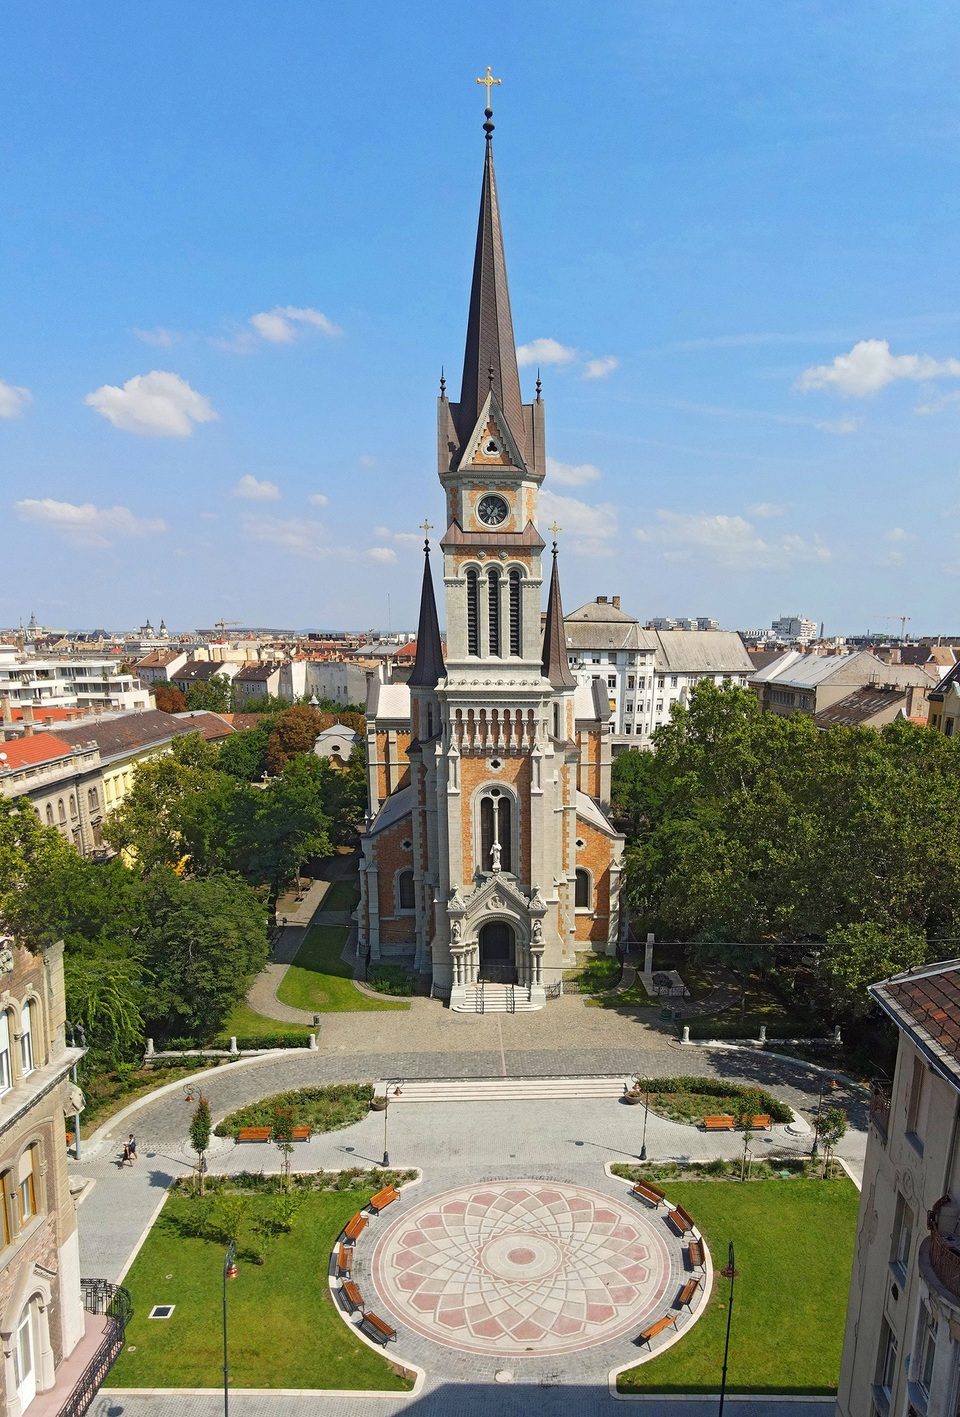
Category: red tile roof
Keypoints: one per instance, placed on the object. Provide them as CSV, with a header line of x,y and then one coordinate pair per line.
x,y
39,748
925,1003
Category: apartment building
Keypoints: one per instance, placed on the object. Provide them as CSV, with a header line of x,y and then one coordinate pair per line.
x,y
91,683
901,1353
797,682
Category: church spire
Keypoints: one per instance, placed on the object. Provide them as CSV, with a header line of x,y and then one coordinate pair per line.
x,y
490,357
428,666
556,665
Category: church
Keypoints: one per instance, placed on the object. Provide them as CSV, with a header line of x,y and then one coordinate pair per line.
x,y
488,853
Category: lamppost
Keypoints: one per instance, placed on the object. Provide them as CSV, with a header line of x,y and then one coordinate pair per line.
x,y
76,1031
386,1113
729,1272
824,1084
230,1271
646,1114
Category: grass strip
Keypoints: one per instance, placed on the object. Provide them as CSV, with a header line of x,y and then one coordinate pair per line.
x,y
319,981
794,1251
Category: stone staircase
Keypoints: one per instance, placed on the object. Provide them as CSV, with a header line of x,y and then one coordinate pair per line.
x,y
502,1089
487,998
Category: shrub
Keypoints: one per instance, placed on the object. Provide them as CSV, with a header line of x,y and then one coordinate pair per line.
x,y
322,1109
686,1099
391,979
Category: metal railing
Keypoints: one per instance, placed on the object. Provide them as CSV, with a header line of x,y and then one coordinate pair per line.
x,y
112,1301
945,1263
880,1108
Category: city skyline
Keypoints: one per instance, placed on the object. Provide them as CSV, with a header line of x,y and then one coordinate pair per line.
x,y
232,286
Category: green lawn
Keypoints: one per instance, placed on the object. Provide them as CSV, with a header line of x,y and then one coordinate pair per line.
x,y
283,1329
319,980
342,895
794,1247
243,1022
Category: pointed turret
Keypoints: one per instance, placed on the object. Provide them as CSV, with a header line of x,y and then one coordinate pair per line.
x,y
556,665
428,667
490,357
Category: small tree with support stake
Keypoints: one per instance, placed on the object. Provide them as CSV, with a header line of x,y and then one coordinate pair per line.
x,y
281,1134
200,1137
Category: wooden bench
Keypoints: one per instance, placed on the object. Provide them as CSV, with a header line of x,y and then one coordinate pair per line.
x,y
383,1199
382,1331
344,1259
762,1123
650,1333
695,1254
649,1192
355,1227
352,1295
687,1292
679,1217
719,1124
266,1133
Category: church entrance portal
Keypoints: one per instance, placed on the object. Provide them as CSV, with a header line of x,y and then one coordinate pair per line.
x,y
498,953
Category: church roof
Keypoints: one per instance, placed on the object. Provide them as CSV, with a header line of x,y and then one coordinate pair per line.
x,y
556,665
428,666
490,356
529,538
597,611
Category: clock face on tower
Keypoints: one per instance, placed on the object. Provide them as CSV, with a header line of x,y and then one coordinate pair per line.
x,y
492,510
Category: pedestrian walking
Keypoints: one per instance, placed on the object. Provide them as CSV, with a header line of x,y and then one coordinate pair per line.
x,y
126,1159
132,1145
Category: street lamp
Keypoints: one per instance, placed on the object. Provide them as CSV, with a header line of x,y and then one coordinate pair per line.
x,y
230,1271
729,1271
646,1114
824,1084
386,1113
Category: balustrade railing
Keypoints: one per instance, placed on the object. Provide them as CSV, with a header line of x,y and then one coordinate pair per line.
x,y
112,1301
945,1263
880,1108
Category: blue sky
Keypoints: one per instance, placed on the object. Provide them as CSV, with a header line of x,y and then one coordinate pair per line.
x,y
236,250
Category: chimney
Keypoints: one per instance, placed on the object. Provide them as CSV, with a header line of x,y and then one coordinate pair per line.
x,y
5,706
601,600
616,602
28,714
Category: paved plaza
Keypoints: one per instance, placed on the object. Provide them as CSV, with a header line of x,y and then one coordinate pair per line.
x,y
514,1256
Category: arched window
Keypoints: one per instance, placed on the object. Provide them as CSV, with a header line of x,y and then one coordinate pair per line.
x,y
6,1072
582,890
93,800
61,810
406,899
516,638
26,1188
556,721
26,1039
493,610
49,815
496,828
73,805
473,613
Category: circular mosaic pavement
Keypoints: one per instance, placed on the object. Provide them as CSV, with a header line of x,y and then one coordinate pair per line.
x,y
524,1267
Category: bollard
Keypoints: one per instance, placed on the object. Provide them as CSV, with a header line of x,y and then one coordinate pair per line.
x,y
763,1033
312,1045
685,1037
233,1045
149,1052
648,955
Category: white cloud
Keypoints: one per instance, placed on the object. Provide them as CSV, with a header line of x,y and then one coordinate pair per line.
x,y
318,499
307,539
157,404
403,538
255,491
870,367
572,475
279,326
938,405
87,524
591,527
897,533
600,368
730,543
766,509
162,337
13,400
544,351
840,426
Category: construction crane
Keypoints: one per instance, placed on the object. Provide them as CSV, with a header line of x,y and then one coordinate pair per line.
x,y
221,625
903,622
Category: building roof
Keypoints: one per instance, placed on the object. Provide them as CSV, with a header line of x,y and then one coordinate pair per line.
x,y
256,673
763,658
806,671
701,652
115,734
211,725
601,611
428,666
951,677
555,664
490,356
27,752
591,703
198,671
925,1003
398,805
456,538
589,811
860,706
388,701
158,659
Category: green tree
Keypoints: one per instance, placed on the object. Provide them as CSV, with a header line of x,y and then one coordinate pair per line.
x,y
203,941
295,732
283,1121
200,1137
244,755
212,695
104,996
168,698
146,827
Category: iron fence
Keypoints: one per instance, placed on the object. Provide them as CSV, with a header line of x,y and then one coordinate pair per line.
x,y
113,1302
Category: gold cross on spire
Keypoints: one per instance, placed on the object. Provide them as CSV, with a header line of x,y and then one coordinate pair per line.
x,y
488,83
426,528
554,529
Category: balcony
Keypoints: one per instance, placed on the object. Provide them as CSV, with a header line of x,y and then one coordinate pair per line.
x,y
80,1377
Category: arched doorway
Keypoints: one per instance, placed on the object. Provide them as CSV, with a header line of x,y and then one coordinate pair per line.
x,y
24,1359
498,953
